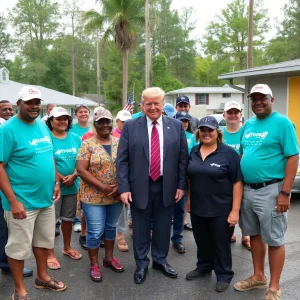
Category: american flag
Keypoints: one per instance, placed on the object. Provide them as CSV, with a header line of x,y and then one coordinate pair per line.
x,y
129,105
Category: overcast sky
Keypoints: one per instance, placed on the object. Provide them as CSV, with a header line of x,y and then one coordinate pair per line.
x,y
204,10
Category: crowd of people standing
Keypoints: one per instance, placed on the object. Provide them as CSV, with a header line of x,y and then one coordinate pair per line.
x,y
154,167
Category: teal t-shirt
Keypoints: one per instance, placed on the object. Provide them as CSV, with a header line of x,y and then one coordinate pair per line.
x,y
27,151
81,131
191,140
266,144
232,139
137,115
65,153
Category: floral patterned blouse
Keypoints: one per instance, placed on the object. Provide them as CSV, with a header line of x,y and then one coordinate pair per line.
x,y
102,166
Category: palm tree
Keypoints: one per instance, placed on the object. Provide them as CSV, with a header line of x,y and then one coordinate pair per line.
x,y
122,20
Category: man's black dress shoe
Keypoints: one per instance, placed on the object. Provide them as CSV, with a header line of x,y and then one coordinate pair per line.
x,y
196,274
26,272
221,286
166,269
140,275
179,248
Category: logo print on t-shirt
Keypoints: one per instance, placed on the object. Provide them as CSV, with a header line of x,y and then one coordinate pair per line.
x,y
215,165
71,150
35,142
259,135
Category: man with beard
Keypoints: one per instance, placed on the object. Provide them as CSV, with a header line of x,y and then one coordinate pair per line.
x,y
29,185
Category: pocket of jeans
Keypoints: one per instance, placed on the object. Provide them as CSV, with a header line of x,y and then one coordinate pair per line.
x,y
279,225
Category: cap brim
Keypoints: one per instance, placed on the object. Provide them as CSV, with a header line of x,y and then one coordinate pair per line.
x,y
182,118
209,126
30,98
233,108
123,120
102,117
61,114
183,101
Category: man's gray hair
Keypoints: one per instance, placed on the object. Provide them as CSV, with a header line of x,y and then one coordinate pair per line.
x,y
153,92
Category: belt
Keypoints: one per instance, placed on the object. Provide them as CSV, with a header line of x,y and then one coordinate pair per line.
x,y
260,185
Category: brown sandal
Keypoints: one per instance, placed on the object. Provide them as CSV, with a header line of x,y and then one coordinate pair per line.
x,y
16,296
51,284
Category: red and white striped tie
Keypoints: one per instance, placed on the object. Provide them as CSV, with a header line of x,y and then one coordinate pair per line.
x,y
155,153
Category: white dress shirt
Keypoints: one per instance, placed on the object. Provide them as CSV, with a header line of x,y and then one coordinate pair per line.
x,y
159,127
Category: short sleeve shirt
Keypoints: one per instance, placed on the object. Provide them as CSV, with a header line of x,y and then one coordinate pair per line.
x,y
65,153
102,165
266,144
212,180
232,139
27,151
191,140
81,131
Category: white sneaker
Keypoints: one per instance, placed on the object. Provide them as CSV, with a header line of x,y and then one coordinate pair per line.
x,y
77,227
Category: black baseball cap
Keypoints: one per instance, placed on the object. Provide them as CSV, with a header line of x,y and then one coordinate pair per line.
x,y
182,99
181,115
208,121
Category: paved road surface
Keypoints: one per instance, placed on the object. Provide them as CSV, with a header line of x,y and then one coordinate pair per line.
x,y
121,286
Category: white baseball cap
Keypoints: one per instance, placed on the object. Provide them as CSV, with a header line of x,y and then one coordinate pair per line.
x,y
123,115
261,89
58,111
232,104
27,93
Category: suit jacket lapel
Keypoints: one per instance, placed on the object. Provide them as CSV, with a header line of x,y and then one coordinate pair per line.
x,y
167,132
143,129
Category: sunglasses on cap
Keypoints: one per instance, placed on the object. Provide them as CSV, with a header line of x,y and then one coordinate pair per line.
x,y
81,105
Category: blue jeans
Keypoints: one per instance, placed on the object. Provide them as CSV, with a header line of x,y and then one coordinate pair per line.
x,y
178,220
101,220
3,239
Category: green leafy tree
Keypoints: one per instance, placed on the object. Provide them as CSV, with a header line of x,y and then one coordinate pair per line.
x,y
5,40
226,38
286,45
123,19
162,76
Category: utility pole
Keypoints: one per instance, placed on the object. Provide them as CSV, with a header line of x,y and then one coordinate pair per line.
x,y
147,47
250,35
98,69
73,55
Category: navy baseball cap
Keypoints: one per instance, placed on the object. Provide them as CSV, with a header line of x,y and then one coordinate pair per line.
x,y
181,115
208,121
182,99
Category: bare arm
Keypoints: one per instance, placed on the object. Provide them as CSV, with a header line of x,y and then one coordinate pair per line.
x,y
233,217
17,208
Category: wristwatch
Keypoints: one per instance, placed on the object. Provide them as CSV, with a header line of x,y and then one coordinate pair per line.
x,y
285,193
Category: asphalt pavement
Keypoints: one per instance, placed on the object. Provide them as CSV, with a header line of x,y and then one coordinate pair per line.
x,y
119,286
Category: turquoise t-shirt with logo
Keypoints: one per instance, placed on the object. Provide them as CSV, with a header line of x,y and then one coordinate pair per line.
x,y
232,139
65,153
265,145
81,131
191,140
27,151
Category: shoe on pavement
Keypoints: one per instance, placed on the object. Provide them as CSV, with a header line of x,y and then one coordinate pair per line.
x,y
250,284
26,272
221,286
122,245
179,248
272,294
188,226
57,231
82,242
77,227
196,274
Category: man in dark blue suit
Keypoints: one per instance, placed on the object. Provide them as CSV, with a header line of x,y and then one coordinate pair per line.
x,y
151,171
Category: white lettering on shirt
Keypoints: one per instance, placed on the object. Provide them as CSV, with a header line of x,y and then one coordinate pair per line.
x,y
61,151
215,165
35,142
261,135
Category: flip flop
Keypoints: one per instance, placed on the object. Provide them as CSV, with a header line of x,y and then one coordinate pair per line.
x,y
53,264
73,254
51,284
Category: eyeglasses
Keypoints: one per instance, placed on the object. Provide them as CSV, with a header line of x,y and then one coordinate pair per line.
x,y
82,105
263,98
206,129
103,122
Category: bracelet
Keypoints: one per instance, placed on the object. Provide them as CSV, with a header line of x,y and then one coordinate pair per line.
x,y
57,182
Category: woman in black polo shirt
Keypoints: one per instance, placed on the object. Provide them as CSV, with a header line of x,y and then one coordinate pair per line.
x,y
214,198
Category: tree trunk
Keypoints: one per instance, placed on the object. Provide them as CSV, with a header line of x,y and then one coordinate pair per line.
x,y
125,77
